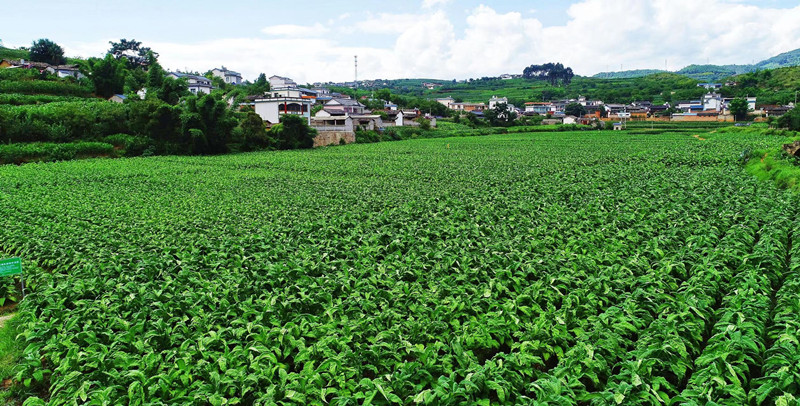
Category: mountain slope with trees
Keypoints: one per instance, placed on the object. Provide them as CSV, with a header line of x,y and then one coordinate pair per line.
x,y
713,73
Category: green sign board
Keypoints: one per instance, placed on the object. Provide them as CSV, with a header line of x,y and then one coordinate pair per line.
x,y
11,266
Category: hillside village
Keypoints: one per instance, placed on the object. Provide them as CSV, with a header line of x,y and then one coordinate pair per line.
x,y
337,116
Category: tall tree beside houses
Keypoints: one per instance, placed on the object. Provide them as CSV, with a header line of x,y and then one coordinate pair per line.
x,y
738,108
132,52
44,50
107,76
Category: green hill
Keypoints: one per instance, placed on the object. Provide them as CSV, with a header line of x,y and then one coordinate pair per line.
x,y
713,73
770,86
791,58
659,88
9,53
627,74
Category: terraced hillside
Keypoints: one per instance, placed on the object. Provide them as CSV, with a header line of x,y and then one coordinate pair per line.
x,y
550,269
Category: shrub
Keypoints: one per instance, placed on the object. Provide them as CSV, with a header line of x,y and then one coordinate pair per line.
x,y
43,152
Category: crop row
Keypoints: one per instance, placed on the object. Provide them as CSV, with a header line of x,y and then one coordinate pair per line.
x,y
567,268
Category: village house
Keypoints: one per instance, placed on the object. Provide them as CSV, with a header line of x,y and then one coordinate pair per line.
x,y
349,106
710,86
197,84
494,101
64,71
323,94
538,107
570,120
774,110
283,100
229,76
446,101
270,109
689,106
280,82
468,107
117,98
431,86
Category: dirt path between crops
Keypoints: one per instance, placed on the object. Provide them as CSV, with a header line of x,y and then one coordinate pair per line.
x,y
4,318
699,137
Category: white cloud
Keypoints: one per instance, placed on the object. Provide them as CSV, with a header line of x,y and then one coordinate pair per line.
x,y
295,31
434,3
385,23
597,35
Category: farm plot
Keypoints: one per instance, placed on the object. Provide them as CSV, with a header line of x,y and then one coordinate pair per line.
x,y
549,269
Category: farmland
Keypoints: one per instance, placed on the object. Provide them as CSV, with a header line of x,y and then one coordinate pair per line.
x,y
544,268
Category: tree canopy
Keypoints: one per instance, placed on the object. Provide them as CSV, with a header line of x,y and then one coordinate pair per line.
x,y
107,76
133,52
575,109
738,108
554,73
44,50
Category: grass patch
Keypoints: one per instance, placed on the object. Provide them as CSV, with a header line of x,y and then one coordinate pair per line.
x,y
774,165
47,152
10,352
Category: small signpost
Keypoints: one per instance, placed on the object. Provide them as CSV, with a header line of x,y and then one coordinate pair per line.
x,y
12,266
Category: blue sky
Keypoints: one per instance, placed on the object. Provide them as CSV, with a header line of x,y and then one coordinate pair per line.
x,y
315,40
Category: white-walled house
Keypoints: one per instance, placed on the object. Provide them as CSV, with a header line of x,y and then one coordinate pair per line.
x,y
64,71
197,84
570,120
294,92
229,76
271,109
446,101
494,101
280,81
345,105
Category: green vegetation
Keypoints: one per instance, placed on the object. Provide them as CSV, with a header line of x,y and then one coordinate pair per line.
x,y
560,268
628,74
778,86
657,88
9,53
715,73
786,59
11,350
45,152
44,50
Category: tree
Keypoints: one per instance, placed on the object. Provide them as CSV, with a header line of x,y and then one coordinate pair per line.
x,y
293,133
44,50
261,85
575,109
207,124
172,90
107,76
132,52
554,73
155,75
790,120
253,133
738,108
501,115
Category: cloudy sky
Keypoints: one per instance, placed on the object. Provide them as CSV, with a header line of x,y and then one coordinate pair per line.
x,y
315,40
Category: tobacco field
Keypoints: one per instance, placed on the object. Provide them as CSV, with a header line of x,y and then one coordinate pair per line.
x,y
570,268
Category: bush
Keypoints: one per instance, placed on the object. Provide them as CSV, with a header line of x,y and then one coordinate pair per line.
x,y
38,87
129,145
16,99
44,152
86,120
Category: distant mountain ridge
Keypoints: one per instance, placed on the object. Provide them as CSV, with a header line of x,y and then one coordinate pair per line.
x,y
713,73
